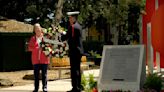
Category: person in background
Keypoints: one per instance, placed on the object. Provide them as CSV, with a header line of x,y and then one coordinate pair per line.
x,y
74,38
39,60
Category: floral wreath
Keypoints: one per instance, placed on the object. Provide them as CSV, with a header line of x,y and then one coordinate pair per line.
x,y
51,43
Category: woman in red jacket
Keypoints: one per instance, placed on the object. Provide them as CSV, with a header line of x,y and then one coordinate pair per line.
x,y
39,60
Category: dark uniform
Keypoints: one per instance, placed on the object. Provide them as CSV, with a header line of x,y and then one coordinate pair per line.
x,y
74,38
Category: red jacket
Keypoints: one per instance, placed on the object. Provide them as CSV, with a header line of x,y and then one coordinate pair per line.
x,y
34,47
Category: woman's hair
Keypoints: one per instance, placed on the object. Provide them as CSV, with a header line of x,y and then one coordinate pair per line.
x,y
36,25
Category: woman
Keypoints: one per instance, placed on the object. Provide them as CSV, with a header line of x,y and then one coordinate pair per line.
x,y
39,60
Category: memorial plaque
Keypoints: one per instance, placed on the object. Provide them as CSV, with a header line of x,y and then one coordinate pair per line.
x,y
122,68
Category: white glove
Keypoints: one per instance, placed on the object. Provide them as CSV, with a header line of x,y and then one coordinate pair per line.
x,y
64,33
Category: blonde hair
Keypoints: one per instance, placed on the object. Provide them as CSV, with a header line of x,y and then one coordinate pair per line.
x,y
36,25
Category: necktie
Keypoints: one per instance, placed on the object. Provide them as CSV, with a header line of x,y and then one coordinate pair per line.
x,y
72,31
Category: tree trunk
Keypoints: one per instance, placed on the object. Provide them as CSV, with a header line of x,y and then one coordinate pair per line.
x,y
58,13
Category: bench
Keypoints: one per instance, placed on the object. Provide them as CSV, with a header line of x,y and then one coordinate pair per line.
x,y
59,69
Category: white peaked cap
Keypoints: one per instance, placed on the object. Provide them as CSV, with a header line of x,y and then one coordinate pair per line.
x,y
73,13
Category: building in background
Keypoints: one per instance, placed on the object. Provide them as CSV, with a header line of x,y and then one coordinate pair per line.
x,y
14,36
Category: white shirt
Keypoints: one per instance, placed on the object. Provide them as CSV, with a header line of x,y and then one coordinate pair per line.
x,y
39,40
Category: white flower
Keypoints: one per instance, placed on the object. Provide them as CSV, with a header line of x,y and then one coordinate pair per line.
x,y
57,55
55,46
60,43
56,28
46,48
43,45
60,31
46,52
64,52
53,32
44,30
53,52
50,34
50,41
61,49
49,49
47,44
57,50
66,48
49,28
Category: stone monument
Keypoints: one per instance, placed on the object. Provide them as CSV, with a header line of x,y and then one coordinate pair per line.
x,y
122,68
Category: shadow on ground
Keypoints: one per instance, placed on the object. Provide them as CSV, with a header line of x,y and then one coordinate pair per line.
x,y
25,91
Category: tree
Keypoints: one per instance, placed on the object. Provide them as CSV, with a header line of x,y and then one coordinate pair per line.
x,y
30,11
133,25
42,11
104,14
107,14
11,9
59,14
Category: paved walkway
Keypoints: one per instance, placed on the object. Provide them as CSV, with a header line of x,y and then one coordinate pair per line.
x,y
62,85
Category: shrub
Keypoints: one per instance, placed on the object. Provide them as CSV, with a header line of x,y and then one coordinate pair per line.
x,y
153,81
88,83
93,46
